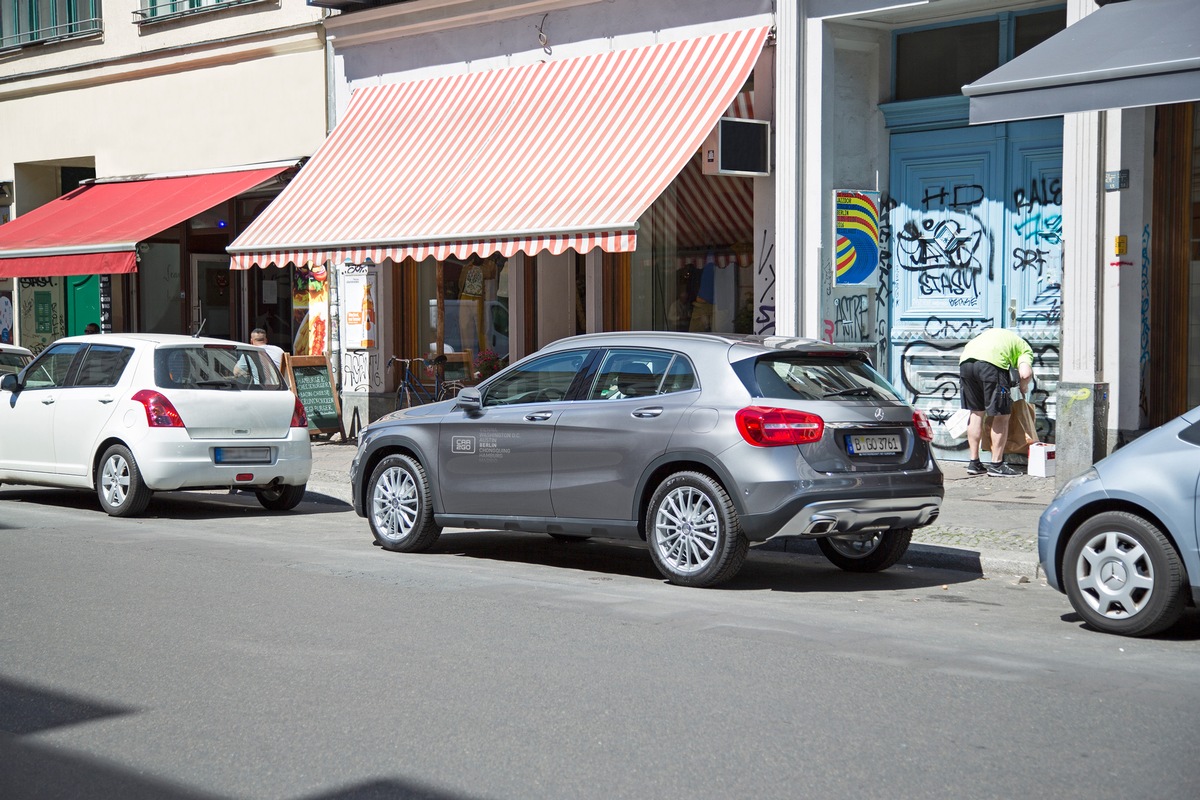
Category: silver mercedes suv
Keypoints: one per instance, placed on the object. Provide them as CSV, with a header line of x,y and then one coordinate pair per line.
x,y
697,443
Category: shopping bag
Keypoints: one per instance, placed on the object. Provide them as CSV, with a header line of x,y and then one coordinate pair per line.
x,y
1022,429
956,423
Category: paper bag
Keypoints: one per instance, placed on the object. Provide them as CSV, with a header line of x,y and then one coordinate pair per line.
x,y
1022,429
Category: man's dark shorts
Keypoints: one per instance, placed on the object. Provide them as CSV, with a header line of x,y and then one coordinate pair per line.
x,y
985,388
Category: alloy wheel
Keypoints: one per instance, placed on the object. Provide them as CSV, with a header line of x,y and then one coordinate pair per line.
x,y
395,504
687,529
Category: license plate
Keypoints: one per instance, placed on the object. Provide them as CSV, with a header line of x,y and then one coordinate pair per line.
x,y
874,445
242,455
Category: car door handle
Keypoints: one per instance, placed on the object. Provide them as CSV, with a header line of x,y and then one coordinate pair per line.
x,y
106,399
647,412
47,401
539,416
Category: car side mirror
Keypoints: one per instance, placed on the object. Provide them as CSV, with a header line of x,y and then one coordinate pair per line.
x,y
469,399
9,383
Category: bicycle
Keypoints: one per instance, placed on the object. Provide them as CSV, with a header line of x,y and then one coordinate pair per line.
x,y
411,391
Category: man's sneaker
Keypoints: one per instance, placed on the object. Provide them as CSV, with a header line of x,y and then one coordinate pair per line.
x,y
1001,470
975,468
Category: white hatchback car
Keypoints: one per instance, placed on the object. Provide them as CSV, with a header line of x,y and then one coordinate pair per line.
x,y
132,414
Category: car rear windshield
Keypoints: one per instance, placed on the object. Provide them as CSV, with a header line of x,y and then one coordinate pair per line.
x,y
215,367
12,362
797,377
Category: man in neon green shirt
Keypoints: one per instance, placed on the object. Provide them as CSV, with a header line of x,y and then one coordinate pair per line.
x,y
984,369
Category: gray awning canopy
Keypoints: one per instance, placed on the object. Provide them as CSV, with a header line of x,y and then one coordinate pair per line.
x,y
1124,55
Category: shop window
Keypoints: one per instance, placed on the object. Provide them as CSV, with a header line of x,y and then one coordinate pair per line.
x,y
466,304
32,22
692,270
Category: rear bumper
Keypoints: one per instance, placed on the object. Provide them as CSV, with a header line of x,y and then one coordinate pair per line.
x,y
190,463
817,514
859,515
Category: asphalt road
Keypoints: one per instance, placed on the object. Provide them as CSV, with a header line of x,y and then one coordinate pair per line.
x,y
212,649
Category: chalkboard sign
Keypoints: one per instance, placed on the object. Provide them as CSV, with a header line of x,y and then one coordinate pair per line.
x,y
312,380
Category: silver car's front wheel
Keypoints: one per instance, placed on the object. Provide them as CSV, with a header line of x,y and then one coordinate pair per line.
x,y
1122,575
694,534
398,505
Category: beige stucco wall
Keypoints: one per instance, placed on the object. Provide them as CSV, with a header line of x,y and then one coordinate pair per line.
x,y
208,92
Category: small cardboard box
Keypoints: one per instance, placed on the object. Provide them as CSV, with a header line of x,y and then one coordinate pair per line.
x,y
1041,460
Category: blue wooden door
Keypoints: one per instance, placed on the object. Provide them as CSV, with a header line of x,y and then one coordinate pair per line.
x,y
976,221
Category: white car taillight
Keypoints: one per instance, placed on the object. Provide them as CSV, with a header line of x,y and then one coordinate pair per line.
x,y
299,415
771,427
159,411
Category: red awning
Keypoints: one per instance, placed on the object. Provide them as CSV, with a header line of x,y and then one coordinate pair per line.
x,y
96,228
548,156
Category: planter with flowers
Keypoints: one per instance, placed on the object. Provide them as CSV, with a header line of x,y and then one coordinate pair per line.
x,y
487,364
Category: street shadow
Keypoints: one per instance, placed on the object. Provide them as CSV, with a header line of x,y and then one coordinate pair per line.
x,y
201,504
34,768
1187,629
773,570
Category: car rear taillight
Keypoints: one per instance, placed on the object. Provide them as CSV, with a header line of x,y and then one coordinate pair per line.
x,y
770,427
921,423
159,411
299,415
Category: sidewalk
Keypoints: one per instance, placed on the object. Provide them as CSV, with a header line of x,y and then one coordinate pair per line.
x,y
987,525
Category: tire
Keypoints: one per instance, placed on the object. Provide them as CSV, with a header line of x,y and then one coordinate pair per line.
x,y
119,483
868,552
282,497
693,530
399,507
1123,575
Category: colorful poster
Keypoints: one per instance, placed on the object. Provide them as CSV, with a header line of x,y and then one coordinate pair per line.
x,y
360,300
856,237
310,310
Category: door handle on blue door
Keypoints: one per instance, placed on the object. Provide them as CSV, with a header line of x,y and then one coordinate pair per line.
x,y
539,416
647,412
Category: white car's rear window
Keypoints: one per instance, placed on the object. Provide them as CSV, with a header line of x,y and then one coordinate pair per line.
x,y
215,367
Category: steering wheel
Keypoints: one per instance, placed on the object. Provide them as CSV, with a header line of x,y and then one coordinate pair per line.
x,y
549,394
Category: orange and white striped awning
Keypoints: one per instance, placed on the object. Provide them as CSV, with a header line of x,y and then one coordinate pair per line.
x,y
549,156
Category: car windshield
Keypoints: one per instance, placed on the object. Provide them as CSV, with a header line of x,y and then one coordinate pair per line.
x,y
808,377
206,366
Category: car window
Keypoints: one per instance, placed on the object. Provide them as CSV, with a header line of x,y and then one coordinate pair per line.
x,y
631,373
102,365
541,380
808,377
52,368
215,367
12,362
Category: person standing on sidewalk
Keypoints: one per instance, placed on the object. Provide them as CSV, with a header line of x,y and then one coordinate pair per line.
x,y
984,369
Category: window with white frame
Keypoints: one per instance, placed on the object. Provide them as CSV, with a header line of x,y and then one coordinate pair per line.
x,y
162,10
27,22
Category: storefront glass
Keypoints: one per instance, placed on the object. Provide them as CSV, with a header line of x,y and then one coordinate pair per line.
x,y
692,270
466,312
